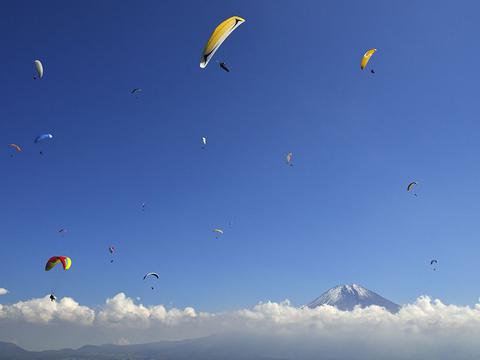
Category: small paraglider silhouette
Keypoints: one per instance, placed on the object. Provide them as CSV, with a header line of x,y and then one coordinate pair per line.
x,y
143,206
154,274
204,142
218,233
223,66
111,250
411,186
52,297
136,91
434,264
372,71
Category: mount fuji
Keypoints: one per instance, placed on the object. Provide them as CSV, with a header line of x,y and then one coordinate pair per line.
x,y
346,297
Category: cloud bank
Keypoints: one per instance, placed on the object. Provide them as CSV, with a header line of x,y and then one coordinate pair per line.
x,y
425,329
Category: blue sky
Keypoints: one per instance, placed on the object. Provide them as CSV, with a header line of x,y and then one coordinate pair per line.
x,y
340,215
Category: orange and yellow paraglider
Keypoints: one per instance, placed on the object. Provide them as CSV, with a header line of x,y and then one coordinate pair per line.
x,y
54,260
366,58
218,36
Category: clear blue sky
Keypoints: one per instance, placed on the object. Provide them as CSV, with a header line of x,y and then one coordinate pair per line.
x,y
340,215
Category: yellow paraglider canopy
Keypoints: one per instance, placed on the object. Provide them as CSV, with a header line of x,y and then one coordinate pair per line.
x,y
366,58
218,36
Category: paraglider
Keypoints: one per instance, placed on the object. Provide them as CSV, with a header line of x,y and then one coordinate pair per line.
x,y
143,206
39,68
218,36
135,91
16,147
434,264
366,58
153,274
62,231
111,249
218,233
289,159
43,137
54,260
223,66
52,298
204,142
411,186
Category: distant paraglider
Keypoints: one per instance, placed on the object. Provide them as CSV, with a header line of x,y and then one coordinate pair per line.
x,y
411,186
111,250
42,137
151,274
223,66
62,231
289,159
55,260
136,91
366,58
16,147
434,264
218,233
218,36
52,298
39,69
204,142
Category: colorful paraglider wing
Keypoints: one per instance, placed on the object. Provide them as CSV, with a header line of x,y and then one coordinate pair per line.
x,y
218,36
366,58
39,68
54,260
43,137
411,185
16,147
151,274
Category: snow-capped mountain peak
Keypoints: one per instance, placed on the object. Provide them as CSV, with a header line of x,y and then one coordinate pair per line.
x,y
346,297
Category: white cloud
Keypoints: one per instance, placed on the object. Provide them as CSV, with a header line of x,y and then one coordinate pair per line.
x,y
122,311
3,291
43,310
427,327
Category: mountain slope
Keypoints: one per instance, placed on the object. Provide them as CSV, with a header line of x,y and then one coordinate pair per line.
x,y
346,297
